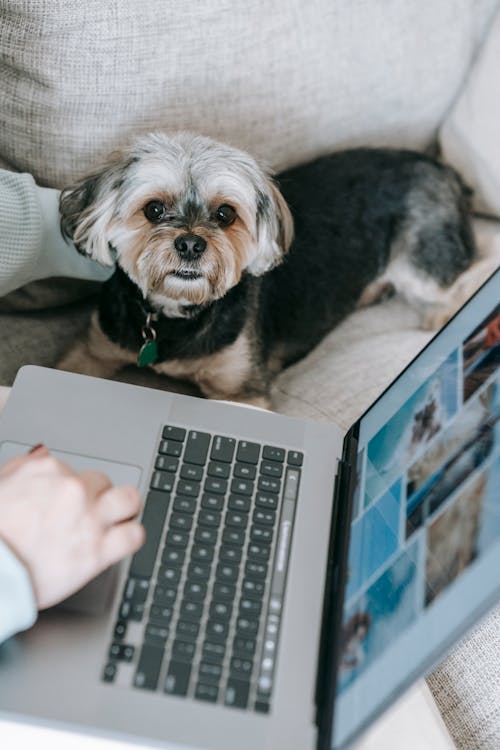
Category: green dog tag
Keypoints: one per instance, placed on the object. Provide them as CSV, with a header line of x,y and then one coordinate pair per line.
x,y
148,354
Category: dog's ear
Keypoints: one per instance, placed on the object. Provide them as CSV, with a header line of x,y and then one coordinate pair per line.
x,y
87,210
274,229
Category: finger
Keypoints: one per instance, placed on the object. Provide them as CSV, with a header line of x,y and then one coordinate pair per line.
x,y
95,482
40,451
121,540
119,504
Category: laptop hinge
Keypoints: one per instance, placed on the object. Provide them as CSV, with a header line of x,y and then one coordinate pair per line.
x,y
334,590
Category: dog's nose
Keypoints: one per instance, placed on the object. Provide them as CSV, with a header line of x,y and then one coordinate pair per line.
x,y
190,246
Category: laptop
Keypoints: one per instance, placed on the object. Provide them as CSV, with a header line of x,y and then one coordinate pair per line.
x,y
295,579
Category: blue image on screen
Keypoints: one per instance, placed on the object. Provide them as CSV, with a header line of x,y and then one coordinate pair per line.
x,y
377,617
412,427
374,538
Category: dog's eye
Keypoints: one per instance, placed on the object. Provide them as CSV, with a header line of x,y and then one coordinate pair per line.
x,y
154,211
225,215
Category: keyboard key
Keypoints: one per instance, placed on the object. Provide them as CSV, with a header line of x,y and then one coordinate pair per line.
x,y
177,538
159,615
271,453
195,590
214,652
188,488
199,571
212,502
109,672
162,481
239,503
136,590
262,706
218,486
191,610
223,591
131,611
173,556
170,448
268,484
242,486
209,518
120,630
121,652
233,536
184,504
244,647
221,610
245,626
197,447
174,433
223,449
216,630
209,673
183,650
230,554
164,595
192,472
153,519
217,469
238,520
245,471
180,521
271,469
267,501
177,681
206,535
202,553
187,630
156,635
148,669
250,607
241,667
264,517
236,693
206,692
169,575
295,458
227,573
255,570
248,452
261,534
258,551
252,588
167,463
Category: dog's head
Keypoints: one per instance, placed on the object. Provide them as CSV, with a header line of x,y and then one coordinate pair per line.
x,y
183,215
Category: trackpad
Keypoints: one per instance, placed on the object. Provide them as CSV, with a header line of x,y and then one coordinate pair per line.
x,y
118,473
96,596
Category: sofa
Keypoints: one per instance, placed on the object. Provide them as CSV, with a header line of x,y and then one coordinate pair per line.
x,y
288,81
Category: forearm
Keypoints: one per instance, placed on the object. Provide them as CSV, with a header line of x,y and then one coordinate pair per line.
x,y
31,244
17,602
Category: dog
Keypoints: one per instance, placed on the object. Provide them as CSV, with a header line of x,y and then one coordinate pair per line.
x,y
216,283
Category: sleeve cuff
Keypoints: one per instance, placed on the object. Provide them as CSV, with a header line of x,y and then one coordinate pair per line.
x,y
17,602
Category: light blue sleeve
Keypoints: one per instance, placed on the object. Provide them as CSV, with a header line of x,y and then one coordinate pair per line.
x,y
31,244
17,602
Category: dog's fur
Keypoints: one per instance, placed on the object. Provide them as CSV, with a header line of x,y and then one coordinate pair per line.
x,y
365,222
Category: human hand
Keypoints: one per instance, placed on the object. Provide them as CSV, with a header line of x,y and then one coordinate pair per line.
x,y
65,527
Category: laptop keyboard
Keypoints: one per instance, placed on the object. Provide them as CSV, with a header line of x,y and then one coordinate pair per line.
x,y
201,608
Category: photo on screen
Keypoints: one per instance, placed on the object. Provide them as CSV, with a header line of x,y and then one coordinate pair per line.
x,y
463,531
407,433
453,456
481,353
375,620
374,539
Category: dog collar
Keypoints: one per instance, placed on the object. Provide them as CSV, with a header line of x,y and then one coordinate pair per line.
x,y
148,353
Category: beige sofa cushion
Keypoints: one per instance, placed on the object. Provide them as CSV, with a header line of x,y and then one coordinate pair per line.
x,y
285,80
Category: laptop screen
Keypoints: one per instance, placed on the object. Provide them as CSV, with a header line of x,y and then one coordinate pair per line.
x,y
424,550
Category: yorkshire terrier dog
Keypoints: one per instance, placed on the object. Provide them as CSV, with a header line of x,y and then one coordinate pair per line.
x,y
215,282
